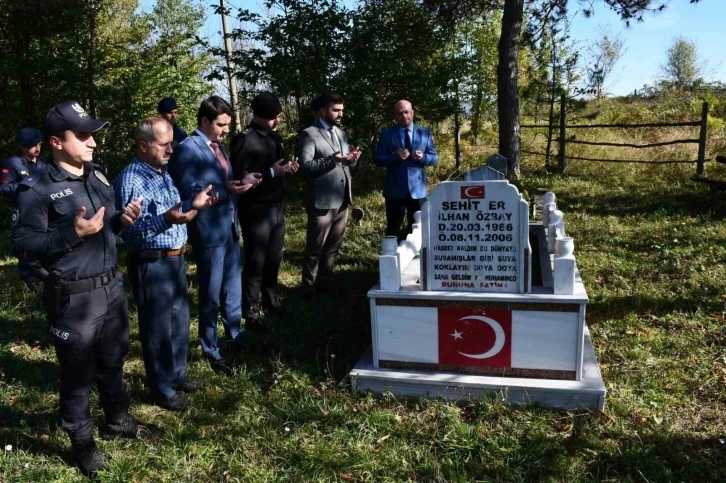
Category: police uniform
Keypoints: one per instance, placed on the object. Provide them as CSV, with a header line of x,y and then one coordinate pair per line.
x,y
262,217
85,299
15,170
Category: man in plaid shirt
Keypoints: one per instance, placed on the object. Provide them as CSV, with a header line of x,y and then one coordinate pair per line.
x,y
156,245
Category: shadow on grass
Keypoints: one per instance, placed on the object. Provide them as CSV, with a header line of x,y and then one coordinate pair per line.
x,y
617,307
680,202
30,431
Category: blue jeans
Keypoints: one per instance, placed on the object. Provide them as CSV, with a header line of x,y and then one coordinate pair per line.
x,y
160,290
219,273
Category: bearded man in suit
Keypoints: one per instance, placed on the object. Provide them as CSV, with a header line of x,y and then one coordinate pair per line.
x,y
325,158
404,150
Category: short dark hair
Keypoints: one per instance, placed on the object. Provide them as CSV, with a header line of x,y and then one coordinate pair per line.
x,y
327,100
212,107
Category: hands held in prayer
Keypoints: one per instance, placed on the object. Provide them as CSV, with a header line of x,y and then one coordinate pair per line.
x,y
282,167
131,212
237,186
94,224
85,228
174,216
351,157
403,154
292,166
205,199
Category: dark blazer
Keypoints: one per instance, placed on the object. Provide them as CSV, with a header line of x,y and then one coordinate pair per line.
x,y
193,167
326,180
256,150
408,176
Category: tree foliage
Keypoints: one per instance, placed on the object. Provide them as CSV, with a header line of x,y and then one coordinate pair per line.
x,y
514,29
682,67
376,54
602,56
109,56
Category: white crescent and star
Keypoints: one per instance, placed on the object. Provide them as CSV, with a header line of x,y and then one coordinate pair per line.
x,y
466,191
499,337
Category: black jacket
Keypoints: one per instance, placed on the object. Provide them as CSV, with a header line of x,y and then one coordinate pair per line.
x,y
256,150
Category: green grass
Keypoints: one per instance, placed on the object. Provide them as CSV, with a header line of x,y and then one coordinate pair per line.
x,y
651,249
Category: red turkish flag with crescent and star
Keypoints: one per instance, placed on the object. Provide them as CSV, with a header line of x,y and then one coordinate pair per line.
x,y
475,337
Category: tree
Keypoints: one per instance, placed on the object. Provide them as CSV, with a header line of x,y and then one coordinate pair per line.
x,y
510,42
603,54
682,68
295,51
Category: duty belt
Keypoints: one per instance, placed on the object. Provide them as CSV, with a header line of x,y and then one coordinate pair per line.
x,y
157,254
88,284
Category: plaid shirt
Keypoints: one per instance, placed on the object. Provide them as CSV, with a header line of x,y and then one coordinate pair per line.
x,y
150,231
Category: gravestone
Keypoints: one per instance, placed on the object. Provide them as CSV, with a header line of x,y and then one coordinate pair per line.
x,y
498,162
495,169
476,238
463,318
484,173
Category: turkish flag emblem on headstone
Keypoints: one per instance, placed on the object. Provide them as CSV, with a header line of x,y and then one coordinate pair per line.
x,y
475,337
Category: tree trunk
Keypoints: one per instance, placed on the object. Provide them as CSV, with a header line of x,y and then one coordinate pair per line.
x,y
476,114
508,96
92,65
551,118
457,138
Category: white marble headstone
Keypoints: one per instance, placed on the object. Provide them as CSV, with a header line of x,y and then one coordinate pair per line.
x,y
476,236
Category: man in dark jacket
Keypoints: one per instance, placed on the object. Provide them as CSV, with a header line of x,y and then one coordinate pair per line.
x,y
170,111
259,149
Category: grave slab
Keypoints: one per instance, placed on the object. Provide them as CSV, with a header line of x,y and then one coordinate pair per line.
x,y
587,393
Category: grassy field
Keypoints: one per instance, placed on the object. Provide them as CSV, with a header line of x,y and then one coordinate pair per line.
x,y
651,248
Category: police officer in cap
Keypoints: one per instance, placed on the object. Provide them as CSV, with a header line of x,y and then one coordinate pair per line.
x,y
168,110
28,162
66,218
259,149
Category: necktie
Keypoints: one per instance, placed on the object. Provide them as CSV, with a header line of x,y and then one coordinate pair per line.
x,y
334,138
220,157
408,141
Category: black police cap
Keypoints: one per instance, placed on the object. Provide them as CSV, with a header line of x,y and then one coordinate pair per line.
x,y
29,137
167,104
70,116
266,105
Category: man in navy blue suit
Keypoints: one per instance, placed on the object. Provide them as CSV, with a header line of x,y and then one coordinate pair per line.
x,y
201,160
404,151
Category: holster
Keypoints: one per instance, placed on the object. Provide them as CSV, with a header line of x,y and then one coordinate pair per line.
x,y
52,294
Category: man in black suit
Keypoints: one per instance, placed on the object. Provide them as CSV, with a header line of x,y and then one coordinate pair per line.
x,y
259,149
325,158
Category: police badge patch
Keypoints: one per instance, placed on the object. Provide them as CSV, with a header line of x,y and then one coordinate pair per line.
x,y
16,216
101,178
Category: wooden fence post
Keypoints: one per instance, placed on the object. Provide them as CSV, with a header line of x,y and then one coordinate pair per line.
x,y
563,116
702,140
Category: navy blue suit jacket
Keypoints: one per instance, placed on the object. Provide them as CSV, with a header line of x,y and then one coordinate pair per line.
x,y
408,176
193,167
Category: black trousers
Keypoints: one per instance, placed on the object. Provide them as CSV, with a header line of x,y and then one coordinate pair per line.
x,y
396,209
263,235
160,290
90,331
